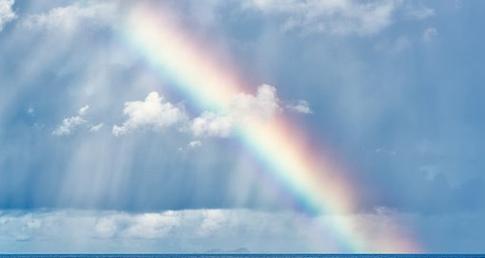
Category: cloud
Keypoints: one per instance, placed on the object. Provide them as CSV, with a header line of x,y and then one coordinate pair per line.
x,y
153,113
226,229
420,12
6,12
211,124
212,222
71,17
152,225
106,227
242,108
136,226
195,144
71,123
68,124
301,106
96,127
83,110
346,17
262,105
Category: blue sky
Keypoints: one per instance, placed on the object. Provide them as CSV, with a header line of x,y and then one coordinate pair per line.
x,y
393,89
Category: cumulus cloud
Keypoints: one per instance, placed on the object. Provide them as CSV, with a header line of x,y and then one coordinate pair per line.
x,y
301,106
211,124
69,18
262,105
6,12
344,17
243,108
153,113
69,124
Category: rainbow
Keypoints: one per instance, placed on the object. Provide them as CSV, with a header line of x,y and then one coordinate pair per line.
x,y
210,84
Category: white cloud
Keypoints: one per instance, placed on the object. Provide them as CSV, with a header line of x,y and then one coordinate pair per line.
x,y
136,226
210,124
429,34
71,123
343,17
152,225
68,124
153,113
69,18
301,106
190,146
106,227
226,229
195,144
420,12
83,110
96,127
263,105
242,109
6,12
212,222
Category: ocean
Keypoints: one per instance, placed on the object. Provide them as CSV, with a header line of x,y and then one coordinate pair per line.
x,y
243,255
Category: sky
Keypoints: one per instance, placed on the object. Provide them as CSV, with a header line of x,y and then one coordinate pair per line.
x,y
259,125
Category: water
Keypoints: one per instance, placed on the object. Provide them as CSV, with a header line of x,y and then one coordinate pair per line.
x,y
243,255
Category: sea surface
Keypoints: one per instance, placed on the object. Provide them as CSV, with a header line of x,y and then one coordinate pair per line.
x,y
220,255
